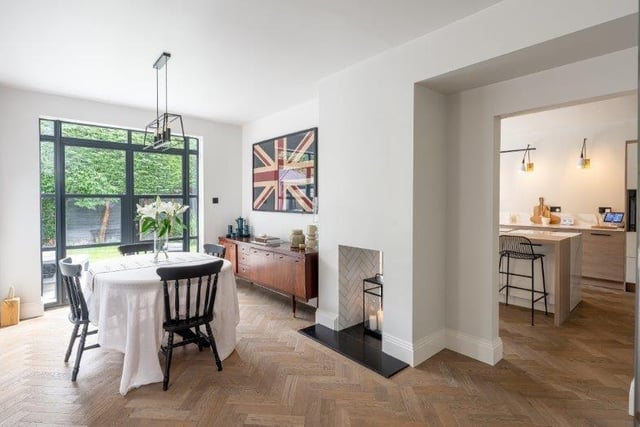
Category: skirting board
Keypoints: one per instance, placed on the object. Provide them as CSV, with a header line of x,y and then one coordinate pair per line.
x,y
400,349
31,309
327,318
414,354
477,348
429,346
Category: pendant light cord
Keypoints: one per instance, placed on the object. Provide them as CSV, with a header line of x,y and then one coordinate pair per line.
x,y
157,95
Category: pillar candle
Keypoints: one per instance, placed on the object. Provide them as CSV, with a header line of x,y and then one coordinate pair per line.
x,y
373,323
380,316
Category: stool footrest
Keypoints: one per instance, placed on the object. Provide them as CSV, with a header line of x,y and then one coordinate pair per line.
x,y
524,289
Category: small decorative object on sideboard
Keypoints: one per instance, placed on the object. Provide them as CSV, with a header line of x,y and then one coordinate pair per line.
x,y
265,240
296,238
243,227
312,237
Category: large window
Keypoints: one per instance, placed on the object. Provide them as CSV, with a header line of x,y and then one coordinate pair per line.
x,y
92,177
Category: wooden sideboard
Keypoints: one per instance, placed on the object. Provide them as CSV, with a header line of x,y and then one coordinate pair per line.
x,y
288,271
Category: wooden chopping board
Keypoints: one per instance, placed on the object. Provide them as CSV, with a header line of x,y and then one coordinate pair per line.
x,y
542,210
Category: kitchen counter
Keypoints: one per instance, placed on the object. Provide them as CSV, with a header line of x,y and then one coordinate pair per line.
x,y
552,227
541,235
563,270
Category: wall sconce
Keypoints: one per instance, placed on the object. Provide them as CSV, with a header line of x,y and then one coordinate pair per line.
x,y
527,164
584,162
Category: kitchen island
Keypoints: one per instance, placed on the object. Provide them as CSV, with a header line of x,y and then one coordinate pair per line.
x,y
563,271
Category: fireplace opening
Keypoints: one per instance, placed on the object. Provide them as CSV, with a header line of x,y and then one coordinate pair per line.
x,y
360,312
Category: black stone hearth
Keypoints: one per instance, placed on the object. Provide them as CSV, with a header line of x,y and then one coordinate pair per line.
x,y
354,344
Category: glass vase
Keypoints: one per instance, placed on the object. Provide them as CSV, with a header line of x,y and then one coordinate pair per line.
x,y
160,245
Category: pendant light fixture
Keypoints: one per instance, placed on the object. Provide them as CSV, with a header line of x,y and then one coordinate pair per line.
x,y
584,162
527,164
157,134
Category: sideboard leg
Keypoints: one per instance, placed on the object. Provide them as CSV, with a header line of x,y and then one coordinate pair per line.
x,y
293,305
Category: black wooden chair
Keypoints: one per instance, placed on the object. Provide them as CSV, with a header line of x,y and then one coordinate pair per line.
x,y
185,316
520,247
136,248
215,250
78,314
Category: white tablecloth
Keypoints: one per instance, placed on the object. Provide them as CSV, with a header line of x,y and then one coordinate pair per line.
x,y
125,301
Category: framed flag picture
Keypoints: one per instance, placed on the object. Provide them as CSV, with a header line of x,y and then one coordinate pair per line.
x,y
285,171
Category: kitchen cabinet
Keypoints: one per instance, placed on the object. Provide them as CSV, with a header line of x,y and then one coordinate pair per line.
x,y
630,276
631,183
603,255
289,271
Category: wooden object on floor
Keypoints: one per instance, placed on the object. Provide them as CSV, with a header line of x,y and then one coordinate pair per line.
x,y
10,311
280,268
181,319
70,274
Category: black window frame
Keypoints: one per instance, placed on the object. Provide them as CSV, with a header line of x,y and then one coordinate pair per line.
x,y
127,200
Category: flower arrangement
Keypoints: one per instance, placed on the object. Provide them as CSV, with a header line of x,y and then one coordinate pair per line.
x,y
161,218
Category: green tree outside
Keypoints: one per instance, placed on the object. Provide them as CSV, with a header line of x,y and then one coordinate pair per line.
x,y
90,171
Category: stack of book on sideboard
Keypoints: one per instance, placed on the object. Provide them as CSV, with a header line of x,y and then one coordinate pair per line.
x,y
266,240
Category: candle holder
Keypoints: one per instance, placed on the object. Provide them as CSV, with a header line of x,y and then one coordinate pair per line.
x,y
372,314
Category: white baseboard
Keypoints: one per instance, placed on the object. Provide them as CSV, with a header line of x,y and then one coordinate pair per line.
x,y
400,349
327,318
428,346
414,354
31,309
631,396
484,350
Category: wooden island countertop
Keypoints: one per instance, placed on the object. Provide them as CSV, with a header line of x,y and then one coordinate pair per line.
x,y
564,250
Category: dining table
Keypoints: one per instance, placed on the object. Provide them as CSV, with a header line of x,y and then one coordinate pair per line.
x,y
125,300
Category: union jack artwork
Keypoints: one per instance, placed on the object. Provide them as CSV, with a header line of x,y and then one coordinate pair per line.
x,y
284,172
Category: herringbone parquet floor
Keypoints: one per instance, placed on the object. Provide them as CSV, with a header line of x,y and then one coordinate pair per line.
x,y
578,374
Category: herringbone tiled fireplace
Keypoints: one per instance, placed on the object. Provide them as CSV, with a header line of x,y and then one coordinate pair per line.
x,y
354,264
351,339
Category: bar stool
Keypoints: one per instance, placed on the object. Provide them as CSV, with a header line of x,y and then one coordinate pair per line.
x,y
519,247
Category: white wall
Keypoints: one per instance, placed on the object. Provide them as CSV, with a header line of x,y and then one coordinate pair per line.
x,y
429,260
366,163
19,177
557,135
299,117
474,173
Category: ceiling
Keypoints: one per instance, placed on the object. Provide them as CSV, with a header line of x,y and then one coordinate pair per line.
x,y
232,60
